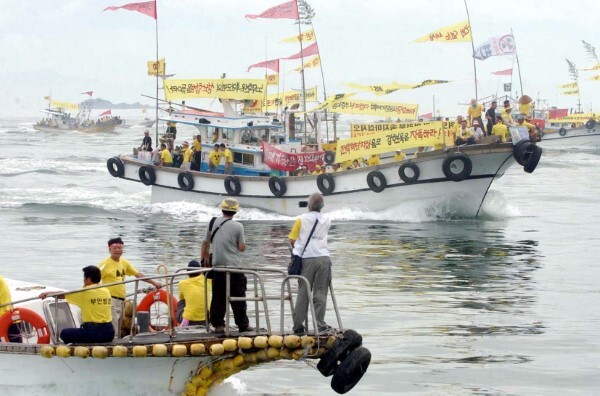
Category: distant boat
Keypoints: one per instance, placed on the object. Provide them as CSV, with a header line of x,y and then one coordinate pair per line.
x,y
147,123
570,134
58,120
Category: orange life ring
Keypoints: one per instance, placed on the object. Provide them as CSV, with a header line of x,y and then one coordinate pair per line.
x,y
158,296
25,315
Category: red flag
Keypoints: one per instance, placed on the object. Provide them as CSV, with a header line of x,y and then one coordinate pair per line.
x,y
287,10
107,112
312,49
90,93
270,64
428,116
507,72
147,8
558,113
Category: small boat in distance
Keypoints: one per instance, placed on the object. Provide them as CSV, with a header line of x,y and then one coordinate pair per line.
x,y
58,119
567,133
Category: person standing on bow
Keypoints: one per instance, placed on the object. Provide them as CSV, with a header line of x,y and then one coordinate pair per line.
x,y
214,158
187,156
113,269
316,264
474,112
197,148
490,116
226,153
95,307
146,142
227,238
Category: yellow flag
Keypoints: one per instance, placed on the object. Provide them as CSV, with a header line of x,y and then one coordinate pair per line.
x,y
461,32
305,37
46,97
595,77
370,128
64,105
569,85
379,90
573,92
273,79
290,97
315,61
221,88
156,67
597,67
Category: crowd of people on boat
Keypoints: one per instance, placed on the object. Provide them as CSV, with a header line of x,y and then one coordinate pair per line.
x,y
102,308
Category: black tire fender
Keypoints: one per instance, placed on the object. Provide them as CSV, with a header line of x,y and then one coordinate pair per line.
x,y
277,186
326,183
185,181
330,360
449,164
534,159
232,185
376,181
518,151
351,370
590,124
147,175
115,167
329,157
409,179
562,132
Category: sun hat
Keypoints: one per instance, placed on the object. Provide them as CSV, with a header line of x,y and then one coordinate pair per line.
x,y
185,143
230,205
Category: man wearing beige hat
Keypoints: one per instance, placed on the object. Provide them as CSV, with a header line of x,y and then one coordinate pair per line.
x,y
227,239
187,153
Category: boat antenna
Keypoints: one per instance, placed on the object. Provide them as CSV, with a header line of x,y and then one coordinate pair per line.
x,y
473,48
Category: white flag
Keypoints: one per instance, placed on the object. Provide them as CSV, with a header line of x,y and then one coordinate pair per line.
x,y
502,45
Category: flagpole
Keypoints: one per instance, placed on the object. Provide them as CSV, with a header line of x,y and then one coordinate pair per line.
x,y
517,57
322,79
157,71
302,72
473,49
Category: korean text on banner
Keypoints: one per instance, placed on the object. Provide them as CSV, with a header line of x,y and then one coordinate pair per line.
x,y
304,37
459,33
155,68
365,129
283,161
64,105
386,109
495,46
215,88
384,142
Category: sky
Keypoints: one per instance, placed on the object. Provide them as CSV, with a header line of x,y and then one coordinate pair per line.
x,y
67,47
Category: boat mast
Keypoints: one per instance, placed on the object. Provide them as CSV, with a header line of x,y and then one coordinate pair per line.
x,y
302,71
157,73
473,49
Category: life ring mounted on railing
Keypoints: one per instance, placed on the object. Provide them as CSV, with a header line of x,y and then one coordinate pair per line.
x,y
157,296
25,315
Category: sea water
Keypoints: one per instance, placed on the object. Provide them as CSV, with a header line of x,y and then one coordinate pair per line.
x,y
505,304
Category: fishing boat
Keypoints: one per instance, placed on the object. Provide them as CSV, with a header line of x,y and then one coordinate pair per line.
x,y
557,134
58,119
162,357
454,178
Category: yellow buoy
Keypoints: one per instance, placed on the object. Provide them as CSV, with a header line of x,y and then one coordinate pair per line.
x,y
190,389
179,350
227,366
119,351
205,373
272,353
238,360
230,345
306,341
47,351
330,341
261,355
63,351
292,341
197,349
276,341
159,350
81,352
128,309
139,351
100,352
261,342
285,353
216,349
245,342
201,391
250,357
298,354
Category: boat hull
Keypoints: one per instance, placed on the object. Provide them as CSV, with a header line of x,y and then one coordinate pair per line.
x,y
576,137
352,189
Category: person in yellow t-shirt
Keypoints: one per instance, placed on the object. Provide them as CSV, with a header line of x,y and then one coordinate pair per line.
x,y
474,112
317,170
226,153
114,269
525,108
14,334
501,130
214,158
373,160
95,305
187,156
191,297
347,164
530,128
197,148
463,135
400,156
166,159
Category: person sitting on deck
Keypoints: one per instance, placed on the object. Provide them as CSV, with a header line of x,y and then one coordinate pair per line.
x,y
166,159
95,307
419,150
373,160
533,136
214,158
400,156
318,170
478,133
501,131
463,136
191,297
506,114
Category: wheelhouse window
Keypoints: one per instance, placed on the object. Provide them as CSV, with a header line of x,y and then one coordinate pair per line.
x,y
243,158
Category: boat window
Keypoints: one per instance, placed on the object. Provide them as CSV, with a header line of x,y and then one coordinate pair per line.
x,y
249,136
243,158
227,134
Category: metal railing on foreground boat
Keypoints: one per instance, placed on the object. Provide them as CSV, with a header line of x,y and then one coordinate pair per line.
x,y
170,278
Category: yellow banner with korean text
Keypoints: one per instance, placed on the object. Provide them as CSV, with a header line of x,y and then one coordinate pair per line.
x,y
315,61
403,111
240,89
388,141
365,129
290,97
595,77
461,32
155,68
272,79
569,85
57,104
577,117
596,67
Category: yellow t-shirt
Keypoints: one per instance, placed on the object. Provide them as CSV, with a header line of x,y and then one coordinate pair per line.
x,y
506,118
400,157
464,133
187,155
192,291
196,146
94,304
372,161
346,164
475,111
4,295
501,130
525,109
166,156
228,156
295,232
113,271
215,158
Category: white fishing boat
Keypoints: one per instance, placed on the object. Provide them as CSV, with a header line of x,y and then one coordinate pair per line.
x,y
455,178
168,359
568,134
58,120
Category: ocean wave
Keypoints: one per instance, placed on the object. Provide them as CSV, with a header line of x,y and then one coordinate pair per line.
x,y
65,166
